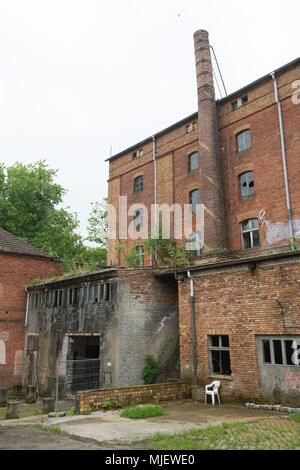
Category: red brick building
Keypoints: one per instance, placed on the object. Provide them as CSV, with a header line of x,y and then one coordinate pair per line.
x,y
239,302
247,159
20,263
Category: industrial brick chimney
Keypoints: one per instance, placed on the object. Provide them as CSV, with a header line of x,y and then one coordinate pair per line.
x,y
210,180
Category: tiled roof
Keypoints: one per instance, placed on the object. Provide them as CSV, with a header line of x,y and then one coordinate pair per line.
x,y
11,244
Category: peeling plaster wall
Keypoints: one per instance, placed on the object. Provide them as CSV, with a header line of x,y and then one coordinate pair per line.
x,y
140,319
279,232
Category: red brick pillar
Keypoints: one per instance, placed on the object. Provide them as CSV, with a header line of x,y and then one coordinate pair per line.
x,y
211,189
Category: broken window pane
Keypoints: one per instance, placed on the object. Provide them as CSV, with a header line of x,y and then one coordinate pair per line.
x,y
225,363
138,219
250,234
247,184
289,351
277,351
267,352
216,362
220,355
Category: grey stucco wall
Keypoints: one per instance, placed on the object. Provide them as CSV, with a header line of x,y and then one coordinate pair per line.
x,y
140,318
280,384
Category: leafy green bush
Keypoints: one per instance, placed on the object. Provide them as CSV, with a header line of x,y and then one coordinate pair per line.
x,y
142,411
151,370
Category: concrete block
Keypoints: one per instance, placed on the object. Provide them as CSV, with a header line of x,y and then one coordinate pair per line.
x,y
48,405
284,409
12,410
276,407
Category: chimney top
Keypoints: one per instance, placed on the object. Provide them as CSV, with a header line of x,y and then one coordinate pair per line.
x,y
201,34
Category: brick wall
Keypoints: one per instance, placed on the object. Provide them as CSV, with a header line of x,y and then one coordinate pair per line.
x,y
140,318
134,395
16,272
242,303
264,158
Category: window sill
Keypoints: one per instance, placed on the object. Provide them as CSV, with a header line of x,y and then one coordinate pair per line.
x,y
220,377
246,198
243,152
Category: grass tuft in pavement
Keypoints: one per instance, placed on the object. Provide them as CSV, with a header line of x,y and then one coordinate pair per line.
x,y
142,411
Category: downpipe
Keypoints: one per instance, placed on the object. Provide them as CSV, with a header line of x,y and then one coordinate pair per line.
x,y
27,307
154,195
284,161
194,338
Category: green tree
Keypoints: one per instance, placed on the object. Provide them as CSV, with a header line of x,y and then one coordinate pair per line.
x,y
97,223
166,251
29,208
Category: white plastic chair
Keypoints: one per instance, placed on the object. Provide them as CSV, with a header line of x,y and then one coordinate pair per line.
x,y
213,390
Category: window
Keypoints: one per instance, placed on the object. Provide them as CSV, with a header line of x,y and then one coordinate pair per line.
x,y
220,354
243,140
195,244
193,161
138,184
32,342
73,296
250,234
244,100
137,153
239,102
281,351
194,199
138,219
234,105
57,298
140,254
247,184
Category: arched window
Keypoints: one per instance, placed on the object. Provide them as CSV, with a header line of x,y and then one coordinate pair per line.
x,y
138,219
138,184
193,161
250,234
194,199
243,140
247,184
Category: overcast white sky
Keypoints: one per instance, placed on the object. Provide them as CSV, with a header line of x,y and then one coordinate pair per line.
x,y
80,75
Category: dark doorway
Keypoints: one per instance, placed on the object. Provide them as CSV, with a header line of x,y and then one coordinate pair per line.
x,y
85,352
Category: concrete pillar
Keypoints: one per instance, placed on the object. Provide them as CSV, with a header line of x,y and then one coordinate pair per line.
x,y
211,188
48,405
12,410
30,394
3,396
